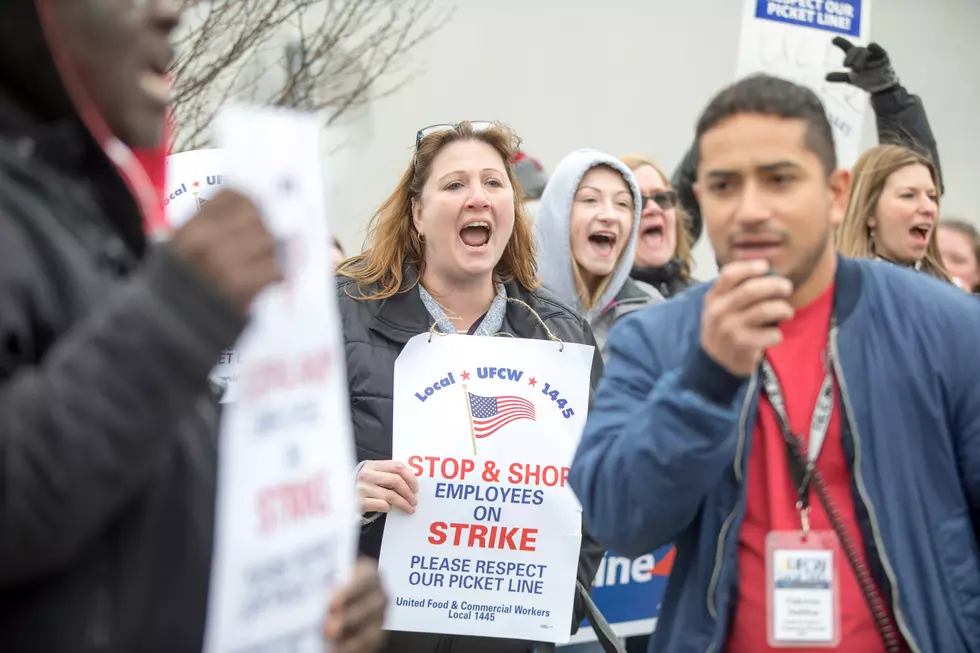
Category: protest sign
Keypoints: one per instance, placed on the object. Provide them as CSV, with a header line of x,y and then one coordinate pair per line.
x,y
489,427
793,39
286,508
193,178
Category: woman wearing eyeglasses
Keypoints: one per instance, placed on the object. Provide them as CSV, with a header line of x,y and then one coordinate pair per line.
x,y
450,249
587,227
663,248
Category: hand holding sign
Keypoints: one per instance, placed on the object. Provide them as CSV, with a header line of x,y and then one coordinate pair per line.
x,y
357,612
383,484
229,244
870,68
493,544
286,514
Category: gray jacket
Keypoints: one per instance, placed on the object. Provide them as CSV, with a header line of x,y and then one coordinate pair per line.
x,y
633,296
622,295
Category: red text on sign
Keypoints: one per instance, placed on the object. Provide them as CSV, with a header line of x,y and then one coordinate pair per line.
x,y
479,536
289,503
448,468
266,376
547,475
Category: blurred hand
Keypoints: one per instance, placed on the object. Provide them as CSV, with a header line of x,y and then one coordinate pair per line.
x,y
228,244
357,611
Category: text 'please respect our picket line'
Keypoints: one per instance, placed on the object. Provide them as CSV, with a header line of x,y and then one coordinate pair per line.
x,y
832,15
487,575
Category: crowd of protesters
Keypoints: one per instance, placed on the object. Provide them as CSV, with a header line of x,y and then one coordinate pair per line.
x,y
825,384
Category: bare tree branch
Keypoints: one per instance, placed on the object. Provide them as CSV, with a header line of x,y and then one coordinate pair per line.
x,y
329,56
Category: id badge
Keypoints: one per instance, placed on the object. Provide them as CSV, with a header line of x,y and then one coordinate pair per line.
x,y
803,596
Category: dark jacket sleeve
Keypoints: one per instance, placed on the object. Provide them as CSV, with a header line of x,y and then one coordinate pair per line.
x,y
901,119
963,365
591,551
85,423
657,441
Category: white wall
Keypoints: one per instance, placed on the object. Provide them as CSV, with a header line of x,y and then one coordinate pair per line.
x,y
631,76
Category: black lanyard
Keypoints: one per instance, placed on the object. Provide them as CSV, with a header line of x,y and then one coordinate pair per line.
x,y
801,470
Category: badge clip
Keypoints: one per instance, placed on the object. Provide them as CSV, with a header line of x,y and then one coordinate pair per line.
x,y
804,520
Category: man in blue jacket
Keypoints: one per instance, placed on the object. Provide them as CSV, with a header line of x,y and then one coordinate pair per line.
x,y
806,429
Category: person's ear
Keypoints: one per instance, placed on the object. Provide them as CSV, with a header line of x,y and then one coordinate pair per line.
x,y
839,189
417,216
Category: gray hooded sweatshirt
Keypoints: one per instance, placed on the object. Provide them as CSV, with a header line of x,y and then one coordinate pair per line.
x,y
553,230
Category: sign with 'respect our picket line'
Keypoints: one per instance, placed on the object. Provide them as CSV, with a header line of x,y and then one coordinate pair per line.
x,y
489,426
793,39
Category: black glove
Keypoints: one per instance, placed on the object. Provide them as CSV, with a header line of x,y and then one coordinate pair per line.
x,y
871,70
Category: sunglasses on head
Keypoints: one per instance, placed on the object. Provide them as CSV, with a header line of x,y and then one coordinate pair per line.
x,y
665,199
477,125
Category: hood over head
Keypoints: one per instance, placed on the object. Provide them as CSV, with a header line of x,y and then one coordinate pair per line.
x,y
39,79
553,230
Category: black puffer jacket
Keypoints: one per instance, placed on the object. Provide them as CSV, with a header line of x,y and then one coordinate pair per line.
x,y
374,334
107,447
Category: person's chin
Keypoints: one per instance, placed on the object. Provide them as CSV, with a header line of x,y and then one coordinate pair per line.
x,y
598,270
143,129
916,254
476,266
653,260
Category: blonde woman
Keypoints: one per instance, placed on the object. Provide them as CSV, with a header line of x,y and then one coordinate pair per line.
x,y
587,228
663,245
959,243
448,250
893,210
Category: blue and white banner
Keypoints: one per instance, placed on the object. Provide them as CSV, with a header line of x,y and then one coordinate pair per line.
x,y
841,17
793,39
628,592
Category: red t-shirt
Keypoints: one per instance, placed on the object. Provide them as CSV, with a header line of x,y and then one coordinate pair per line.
x,y
799,365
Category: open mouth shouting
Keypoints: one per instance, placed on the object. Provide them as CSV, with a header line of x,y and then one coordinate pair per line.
x,y
603,243
920,234
475,235
652,233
